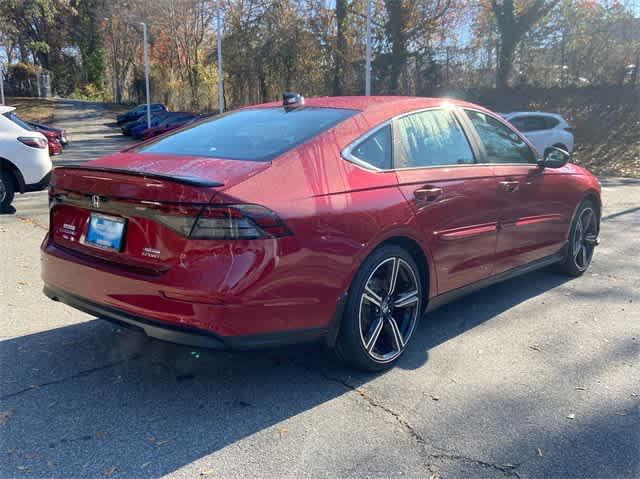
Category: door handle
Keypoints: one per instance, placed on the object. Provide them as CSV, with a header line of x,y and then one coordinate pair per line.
x,y
427,194
510,186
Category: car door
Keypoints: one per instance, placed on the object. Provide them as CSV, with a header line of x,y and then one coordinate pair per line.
x,y
534,217
454,198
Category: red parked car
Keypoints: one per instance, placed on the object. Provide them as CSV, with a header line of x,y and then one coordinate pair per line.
x,y
341,219
55,148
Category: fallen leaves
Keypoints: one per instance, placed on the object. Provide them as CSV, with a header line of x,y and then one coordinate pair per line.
x,y
282,431
206,473
571,416
539,452
536,347
110,471
5,415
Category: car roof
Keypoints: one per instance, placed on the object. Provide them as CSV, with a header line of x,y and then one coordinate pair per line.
x,y
533,113
393,105
4,109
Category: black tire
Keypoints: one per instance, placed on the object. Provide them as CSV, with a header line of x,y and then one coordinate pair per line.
x,y
7,190
582,240
385,322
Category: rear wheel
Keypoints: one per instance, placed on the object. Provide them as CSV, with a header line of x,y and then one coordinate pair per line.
x,y
583,238
7,190
384,303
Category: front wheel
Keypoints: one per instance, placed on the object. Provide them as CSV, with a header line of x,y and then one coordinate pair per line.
x,y
583,238
384,304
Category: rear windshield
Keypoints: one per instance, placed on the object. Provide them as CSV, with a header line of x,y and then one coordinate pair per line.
x,y
258,134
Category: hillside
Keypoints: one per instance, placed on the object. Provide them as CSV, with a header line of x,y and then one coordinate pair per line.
x,y
606,122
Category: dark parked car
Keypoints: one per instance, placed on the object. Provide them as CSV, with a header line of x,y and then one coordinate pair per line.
x,y
334,219
164,126
127,128
139,111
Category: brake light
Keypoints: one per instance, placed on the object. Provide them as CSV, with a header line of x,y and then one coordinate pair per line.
x,y
33,141
569,129
225,222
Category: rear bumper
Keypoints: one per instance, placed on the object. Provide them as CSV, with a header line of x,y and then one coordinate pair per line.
x,y
234,302
40,185
183,334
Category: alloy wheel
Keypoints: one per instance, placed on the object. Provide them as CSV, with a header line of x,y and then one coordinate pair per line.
x,y
584,239
389,309
3,190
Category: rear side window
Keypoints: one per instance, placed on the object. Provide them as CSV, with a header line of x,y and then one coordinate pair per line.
x,y
501,144
431,138
531,123
258,134
376,149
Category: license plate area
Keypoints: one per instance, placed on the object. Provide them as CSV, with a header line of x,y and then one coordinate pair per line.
x,y
105,232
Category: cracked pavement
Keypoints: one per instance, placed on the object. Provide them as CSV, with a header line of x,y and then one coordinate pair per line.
x,y
535,377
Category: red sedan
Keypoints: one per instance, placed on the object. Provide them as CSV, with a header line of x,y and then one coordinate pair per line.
x,y
341,219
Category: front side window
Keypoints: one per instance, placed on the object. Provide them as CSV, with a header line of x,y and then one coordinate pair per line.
x,y
501,144
376,149
431,138
258,134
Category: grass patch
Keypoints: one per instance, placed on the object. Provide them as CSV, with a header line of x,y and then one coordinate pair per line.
x,y
33,109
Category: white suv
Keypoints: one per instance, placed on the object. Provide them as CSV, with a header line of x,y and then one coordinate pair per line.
x,y
24,158
543,129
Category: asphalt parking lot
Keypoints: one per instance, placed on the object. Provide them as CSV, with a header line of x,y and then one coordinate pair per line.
x,y
535,377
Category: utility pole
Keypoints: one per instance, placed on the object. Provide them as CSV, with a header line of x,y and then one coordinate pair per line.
x,y
219,45
367,68
1,85
146,72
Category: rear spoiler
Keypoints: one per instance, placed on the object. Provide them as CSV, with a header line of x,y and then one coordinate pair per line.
x,y
186,180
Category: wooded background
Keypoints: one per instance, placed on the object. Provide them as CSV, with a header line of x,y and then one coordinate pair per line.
x,y
93,48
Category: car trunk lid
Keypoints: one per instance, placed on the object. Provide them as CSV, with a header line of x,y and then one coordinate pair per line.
x,y
154,196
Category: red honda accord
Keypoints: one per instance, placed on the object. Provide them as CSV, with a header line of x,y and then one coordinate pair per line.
x,y
341,219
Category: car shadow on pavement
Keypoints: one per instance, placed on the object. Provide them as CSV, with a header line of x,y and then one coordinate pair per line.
x,y
79,400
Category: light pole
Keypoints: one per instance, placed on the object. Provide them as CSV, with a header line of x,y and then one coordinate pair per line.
x,y
1,85
219,45
146,72
367,68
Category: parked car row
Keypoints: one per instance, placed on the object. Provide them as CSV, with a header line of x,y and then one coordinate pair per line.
x,y
134,122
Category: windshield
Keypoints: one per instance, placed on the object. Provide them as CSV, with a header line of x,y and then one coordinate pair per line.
x,y
253,134
18,121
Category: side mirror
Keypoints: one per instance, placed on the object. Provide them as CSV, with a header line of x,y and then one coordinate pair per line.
x,y
554,158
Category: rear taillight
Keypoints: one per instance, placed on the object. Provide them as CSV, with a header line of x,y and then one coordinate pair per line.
x,y
569,129
225,222
33,141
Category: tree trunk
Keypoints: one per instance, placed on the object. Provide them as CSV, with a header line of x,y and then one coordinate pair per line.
x,y
341,48
505,61
397,12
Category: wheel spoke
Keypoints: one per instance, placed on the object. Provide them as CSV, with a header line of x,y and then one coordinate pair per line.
x,y
371,296
395,266
395,331
406,299
582,254
588,219
376,329
590,240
